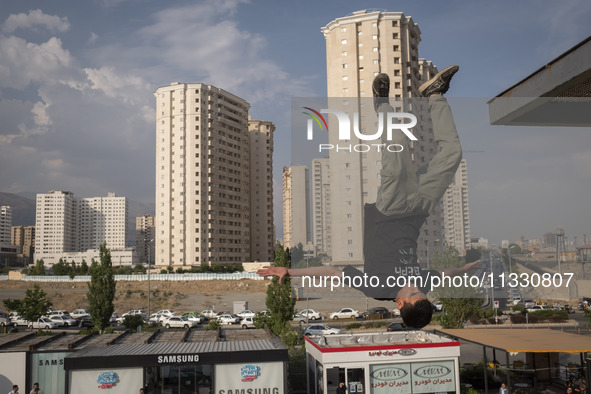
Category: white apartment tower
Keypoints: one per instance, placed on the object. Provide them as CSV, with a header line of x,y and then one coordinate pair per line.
x,y
262,229
5,224
321,205
358,48
296,206
204,185
457,212
67,224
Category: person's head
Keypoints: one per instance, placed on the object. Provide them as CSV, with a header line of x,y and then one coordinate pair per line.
x,y
35,385
503,385
569,390
142,391
15,388
415,309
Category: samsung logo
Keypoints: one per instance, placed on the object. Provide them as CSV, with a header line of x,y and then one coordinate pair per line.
x,y
178,358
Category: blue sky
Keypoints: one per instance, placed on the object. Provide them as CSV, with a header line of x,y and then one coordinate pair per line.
x,y
77,81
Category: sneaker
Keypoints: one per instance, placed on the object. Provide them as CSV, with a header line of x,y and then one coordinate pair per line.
x,y
381,90
439,83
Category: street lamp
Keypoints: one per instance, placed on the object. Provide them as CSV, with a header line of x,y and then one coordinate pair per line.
x,y
149,263
492,276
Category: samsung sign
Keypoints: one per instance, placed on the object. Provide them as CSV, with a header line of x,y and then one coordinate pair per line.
x,y
178,359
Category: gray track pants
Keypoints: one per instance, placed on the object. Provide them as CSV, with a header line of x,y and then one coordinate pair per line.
x,y
404,189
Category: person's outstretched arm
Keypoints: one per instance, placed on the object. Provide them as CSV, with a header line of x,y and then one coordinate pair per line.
x,y
460,270
282,272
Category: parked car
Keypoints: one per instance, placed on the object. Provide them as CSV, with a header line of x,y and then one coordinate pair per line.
x,y
192,316
321,329
167,312
438,306
311,314
247,322
79,312
44,323
397,326
5,321
528,303
538,308
383,312
345,313
155,318
209,314
114,317
64,320
395,312
301,319
18,320
227,318
85,321
178,322
246,313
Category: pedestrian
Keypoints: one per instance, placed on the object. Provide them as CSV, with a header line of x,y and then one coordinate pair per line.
x,y
142,391
405,198
342,389
36,389
503,389
14,389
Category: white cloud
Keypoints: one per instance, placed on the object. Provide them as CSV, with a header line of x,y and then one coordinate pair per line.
x,y
114,84
35,18
93,38
24,62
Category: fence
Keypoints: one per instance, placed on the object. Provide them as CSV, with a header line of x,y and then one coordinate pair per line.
x,y
155,277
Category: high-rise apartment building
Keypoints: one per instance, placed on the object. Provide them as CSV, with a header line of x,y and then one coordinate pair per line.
x,y
262,229
358,48
296,206
5,224
456,211
321,206
24,238
145,236
65,224
204,190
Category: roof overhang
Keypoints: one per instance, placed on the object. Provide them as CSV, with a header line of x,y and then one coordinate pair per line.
x,y
558,94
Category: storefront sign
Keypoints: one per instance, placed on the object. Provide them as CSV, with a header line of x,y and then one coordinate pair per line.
x,y
178,358
259,378
390,378
47,369
100,381
400,352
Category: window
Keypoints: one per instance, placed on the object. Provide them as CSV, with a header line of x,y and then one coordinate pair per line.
x,y
344,29
345,65
344,53
374,49
345,78
374,37
343,41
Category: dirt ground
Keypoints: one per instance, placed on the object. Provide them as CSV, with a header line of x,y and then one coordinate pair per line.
x,y
190,295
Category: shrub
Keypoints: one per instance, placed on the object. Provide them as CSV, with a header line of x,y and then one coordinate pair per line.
x,y
352,326
376,324
132,322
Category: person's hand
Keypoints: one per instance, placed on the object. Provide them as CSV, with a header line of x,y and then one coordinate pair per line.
x,y
472,266
280,272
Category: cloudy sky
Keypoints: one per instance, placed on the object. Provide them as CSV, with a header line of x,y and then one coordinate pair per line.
x,y
77,81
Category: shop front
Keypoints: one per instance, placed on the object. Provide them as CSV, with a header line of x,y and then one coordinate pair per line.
x,y
398,362
181,368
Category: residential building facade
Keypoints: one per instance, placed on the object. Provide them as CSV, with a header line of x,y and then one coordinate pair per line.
x,y
321,206
5,224
296,206
24,238
358,48
456,211
145,235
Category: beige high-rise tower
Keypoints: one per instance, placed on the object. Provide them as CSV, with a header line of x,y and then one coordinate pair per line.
x,y
358,48
457,212
296,206
213,178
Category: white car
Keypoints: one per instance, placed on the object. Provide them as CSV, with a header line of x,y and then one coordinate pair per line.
x,y
44,323
538,308
321,329
18,320
192,316
64,320
227,318
246,313
345,313
79,312
247,322
5,321
301,319
167,312
395,312
156,318
178,322
437,304
209,313
311,314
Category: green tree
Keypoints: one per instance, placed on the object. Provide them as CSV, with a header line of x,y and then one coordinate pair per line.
x,y
83,268
280,302
459,303
38,269
515,249
60,268
170,269
132,322
101,290
140,269
472,255
33,306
